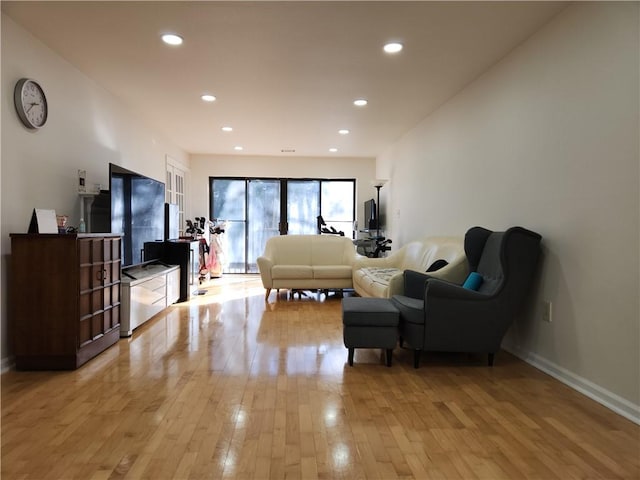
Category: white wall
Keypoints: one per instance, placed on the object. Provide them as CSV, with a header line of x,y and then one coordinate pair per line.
x,y
87,128
548,139
205,166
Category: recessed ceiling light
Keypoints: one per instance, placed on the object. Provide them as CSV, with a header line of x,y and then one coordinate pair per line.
x,y
393,47
208,97
238,148
172,39
344,131
360,102
227,129
333,150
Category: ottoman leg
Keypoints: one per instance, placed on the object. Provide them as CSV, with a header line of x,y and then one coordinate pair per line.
x,y
389,352
351,350
416,358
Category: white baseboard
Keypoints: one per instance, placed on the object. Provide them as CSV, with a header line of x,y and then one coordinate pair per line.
x,y
6,364
595,392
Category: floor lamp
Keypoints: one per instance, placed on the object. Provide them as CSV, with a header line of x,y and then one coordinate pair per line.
x,y
378,185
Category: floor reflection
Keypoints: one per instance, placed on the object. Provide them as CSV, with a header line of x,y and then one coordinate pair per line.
x,y
230,386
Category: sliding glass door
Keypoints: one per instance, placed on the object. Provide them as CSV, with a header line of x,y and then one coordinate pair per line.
x,y
303,201
228,202
257,209
251,209
263,218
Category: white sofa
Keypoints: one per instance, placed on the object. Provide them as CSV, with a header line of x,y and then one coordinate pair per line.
x,y
382,277
307,262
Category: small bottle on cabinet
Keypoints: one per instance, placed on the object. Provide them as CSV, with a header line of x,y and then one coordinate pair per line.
x,y
82,228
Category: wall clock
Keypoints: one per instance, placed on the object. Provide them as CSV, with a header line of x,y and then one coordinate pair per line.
x,y
31,103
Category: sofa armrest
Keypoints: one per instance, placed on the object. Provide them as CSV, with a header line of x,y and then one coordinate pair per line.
x,y
394,260
367,262
396,285
264,266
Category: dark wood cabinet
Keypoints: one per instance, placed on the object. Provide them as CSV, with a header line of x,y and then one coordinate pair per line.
x,y
64,298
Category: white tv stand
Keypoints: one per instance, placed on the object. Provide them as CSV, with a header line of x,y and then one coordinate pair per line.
x,y
146,290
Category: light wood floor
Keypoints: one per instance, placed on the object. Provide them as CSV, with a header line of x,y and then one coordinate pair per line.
x,y
226,386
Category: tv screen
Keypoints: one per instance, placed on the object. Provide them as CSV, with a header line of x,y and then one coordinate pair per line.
x,y
137,211
370,214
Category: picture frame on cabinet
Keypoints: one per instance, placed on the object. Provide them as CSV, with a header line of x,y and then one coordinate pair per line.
x,y
43,221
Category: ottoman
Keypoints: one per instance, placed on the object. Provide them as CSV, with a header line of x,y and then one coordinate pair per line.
x,y
369,323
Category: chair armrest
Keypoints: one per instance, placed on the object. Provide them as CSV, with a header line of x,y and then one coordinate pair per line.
x,y
415,283
437,288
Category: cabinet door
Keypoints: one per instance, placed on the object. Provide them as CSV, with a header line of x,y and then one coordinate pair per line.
x,y
84,256
116,260
111,289
97,260
99,287
111,318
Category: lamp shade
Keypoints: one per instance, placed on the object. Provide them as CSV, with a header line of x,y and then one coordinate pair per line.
x,y
378,183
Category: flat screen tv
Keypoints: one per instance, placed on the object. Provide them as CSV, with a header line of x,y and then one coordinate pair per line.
x,y
137,211
370,214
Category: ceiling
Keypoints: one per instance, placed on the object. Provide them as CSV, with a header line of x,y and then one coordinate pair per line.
x,y
285,74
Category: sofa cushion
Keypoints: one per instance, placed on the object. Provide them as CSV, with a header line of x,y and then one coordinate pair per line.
x,y
380,275
290,250
291,271
332,271
375,280
330,250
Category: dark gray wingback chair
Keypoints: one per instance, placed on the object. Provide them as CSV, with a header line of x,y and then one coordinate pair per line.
x,y
436,315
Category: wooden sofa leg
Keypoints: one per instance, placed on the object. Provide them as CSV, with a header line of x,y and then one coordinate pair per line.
x,y
351,350
266,296
491,359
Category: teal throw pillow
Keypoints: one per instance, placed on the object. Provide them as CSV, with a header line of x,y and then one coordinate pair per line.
x,y
473,281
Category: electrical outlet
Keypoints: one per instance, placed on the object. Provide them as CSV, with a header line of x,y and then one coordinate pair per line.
x,y
547,312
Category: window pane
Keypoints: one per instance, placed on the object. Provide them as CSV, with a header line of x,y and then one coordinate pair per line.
x,y
229,199
263,218
234,244
303,206
337,201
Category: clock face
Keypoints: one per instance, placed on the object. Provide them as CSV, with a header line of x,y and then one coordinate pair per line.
x,y
31,103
